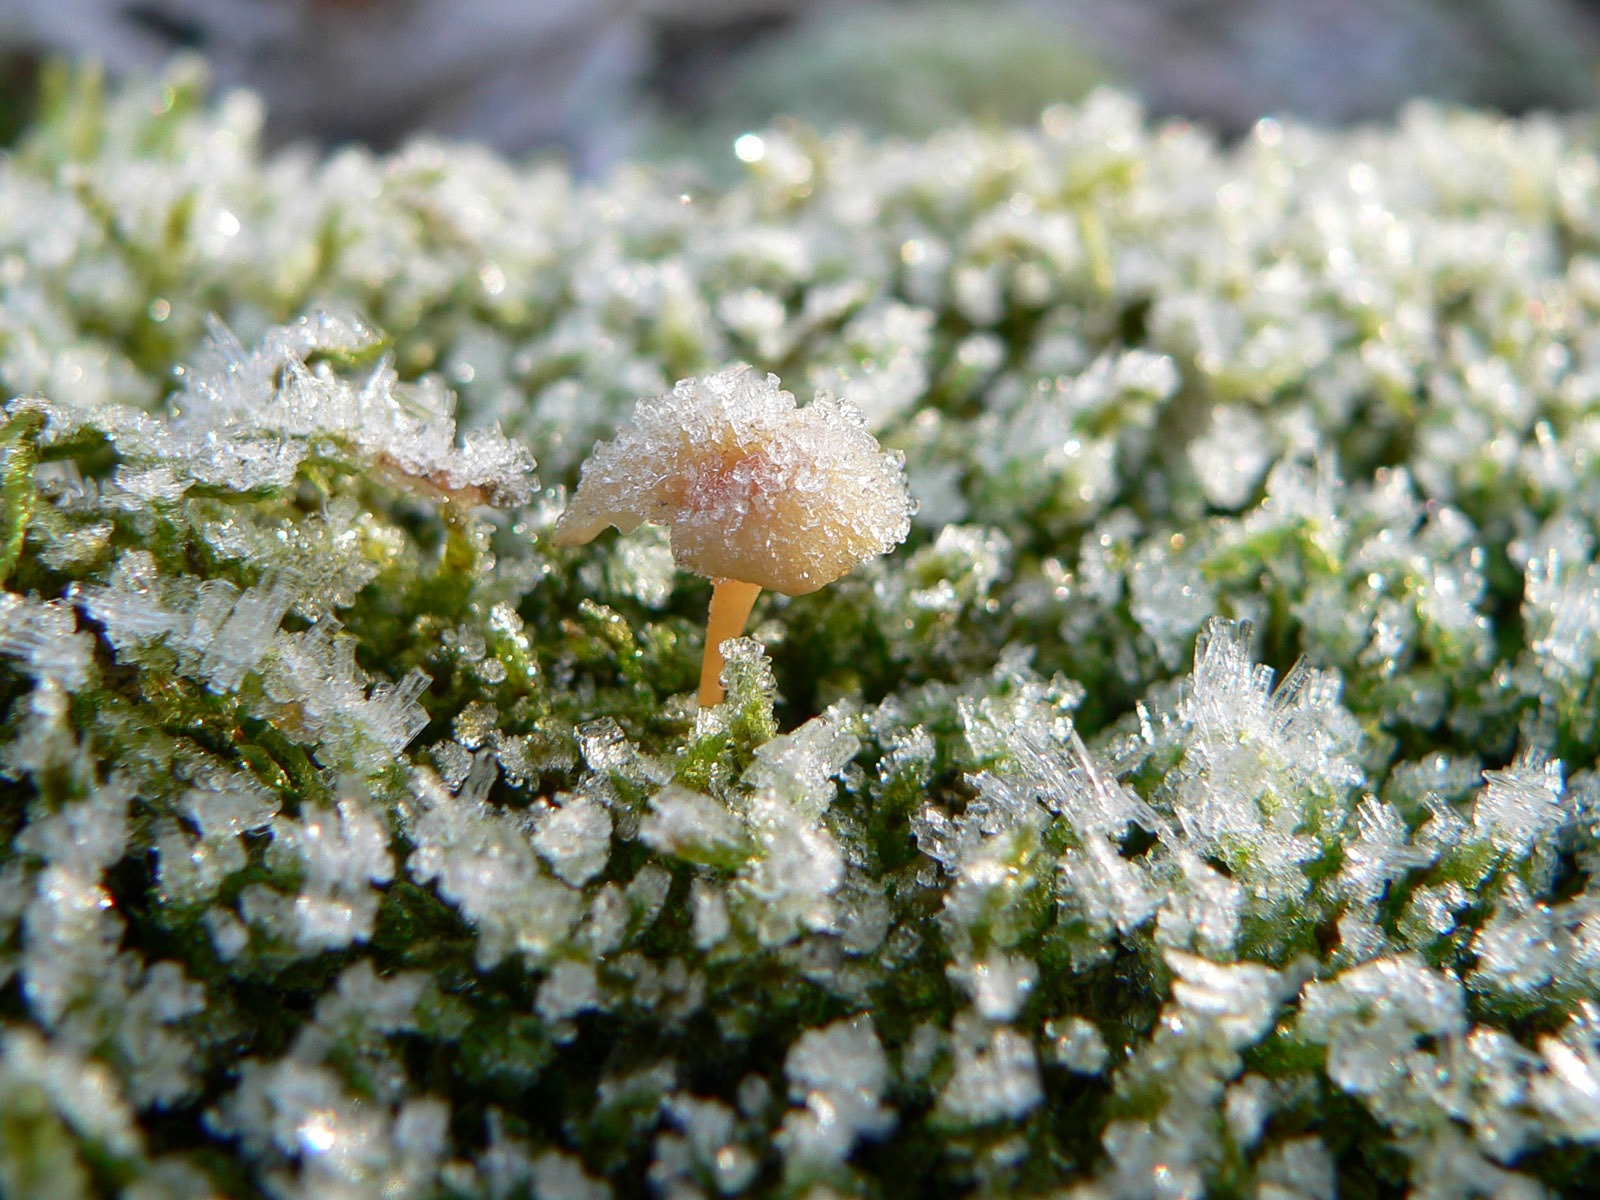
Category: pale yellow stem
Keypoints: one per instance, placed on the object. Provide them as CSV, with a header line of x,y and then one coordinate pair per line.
x,y
731,602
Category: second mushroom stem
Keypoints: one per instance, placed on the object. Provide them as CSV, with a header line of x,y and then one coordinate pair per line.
x,y
731,602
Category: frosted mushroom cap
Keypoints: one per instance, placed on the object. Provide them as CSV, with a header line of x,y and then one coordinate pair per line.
x,y
752,487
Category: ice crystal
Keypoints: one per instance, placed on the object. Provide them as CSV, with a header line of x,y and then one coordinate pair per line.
x,y
1520,806
994,1078
561,1175
43,638
574,837
1205,802
485,864
339,853
315,674
82,1093
1076,1044
838,1074
691,826
1373,1020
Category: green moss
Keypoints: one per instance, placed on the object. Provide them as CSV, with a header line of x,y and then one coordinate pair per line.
x,y
307,718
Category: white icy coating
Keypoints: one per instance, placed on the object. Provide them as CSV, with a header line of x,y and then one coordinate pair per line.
x,y
221,634
1521,806
995,1077
1057,817
1170,601
1043,439
709,913
1569,1075
752,487
1075,1043
798,769
693,826
558,1176
44,639
1561,601
1299,1169
573,836
484,864
790,882
709,1144
886,370
249,419
83,1092
346,1147
837,1076
998,985
1267,766
340,854
330,557
82,989
309,1125
1527,946
1372,1019
568,990
335,705
1246,1107
1215,1012
953,579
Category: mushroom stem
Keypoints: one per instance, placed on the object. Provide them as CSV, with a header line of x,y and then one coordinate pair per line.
x,y
731,602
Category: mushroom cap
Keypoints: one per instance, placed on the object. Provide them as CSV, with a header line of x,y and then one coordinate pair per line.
x,y
751,486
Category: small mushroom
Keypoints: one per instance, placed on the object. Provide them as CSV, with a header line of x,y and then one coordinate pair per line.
x,y
757,492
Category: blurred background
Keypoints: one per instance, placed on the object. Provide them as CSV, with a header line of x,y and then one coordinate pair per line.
x,y
606,79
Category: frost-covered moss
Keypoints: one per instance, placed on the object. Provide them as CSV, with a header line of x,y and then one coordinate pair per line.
x,y
1203,802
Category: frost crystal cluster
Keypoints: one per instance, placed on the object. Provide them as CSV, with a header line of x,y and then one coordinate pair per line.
x,y
1202,802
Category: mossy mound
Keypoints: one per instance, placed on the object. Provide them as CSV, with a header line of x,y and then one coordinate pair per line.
x,y
1202,802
